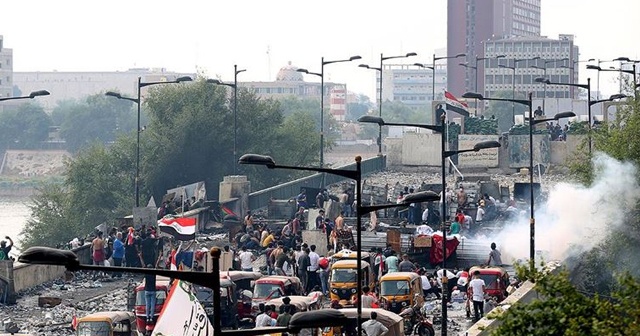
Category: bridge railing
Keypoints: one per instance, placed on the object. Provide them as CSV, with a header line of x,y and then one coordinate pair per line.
x,y
260,199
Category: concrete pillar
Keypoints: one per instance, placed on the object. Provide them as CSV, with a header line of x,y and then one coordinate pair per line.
x,y
235,187
6,276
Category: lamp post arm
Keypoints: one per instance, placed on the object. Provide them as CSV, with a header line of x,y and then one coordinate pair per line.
x,y
14,98
517,101
447,154
436,128
351,174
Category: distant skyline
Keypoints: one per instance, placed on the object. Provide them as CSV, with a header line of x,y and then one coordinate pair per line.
x,y
211,36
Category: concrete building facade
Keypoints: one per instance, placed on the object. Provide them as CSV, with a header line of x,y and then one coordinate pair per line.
x,y
471,22
412,85
78,85
555,62
6,70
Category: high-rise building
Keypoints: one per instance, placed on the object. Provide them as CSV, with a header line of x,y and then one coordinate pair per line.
x,y
6,70
471,22
527,58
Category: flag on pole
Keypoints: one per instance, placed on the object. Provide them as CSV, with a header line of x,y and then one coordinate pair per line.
x,y
182,314
453,104
227,211
172,258
182,228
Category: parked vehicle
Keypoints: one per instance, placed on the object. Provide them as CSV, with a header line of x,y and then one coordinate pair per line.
x,y
350,255
162,291
392,321
415,323
228,303
273,287
108,323
400,290
496,280
302,303
343,280
245,282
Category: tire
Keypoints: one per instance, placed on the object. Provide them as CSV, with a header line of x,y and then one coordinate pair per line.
x,y
408,328
426,330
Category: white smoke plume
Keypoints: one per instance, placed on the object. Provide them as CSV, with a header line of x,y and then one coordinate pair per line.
x,y
575,218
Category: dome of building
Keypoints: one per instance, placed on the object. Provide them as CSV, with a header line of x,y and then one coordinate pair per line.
x,y
289,73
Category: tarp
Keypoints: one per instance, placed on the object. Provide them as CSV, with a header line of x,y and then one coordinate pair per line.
x,y
436,249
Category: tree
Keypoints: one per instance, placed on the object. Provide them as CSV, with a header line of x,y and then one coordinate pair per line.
x,y
564,310
25,126
96,118
359,108
504,111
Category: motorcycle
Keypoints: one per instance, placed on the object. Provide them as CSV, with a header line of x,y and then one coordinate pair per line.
x,y
415,322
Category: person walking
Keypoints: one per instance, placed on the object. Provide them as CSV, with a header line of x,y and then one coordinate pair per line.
x,y
118,252
495,258
312,271
391,262
303,265
477,287
246,260
406,265
373,327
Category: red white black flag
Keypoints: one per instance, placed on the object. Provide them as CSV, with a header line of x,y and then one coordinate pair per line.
x,y
453,104
182,228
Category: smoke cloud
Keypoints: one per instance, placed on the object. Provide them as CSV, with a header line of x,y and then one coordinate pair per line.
x,y
575,218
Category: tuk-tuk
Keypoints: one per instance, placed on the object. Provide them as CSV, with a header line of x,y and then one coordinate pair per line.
x,y
398,291
228,303
109,323
273,287
342,280
301,303
350,255
162,291
496,280
392,321
245,282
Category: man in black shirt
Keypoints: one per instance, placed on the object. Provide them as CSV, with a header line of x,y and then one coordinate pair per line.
x,y
150,295
149,249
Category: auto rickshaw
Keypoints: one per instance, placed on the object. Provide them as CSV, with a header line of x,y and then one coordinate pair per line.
x,y
228,303
140,308
342,280
496,280
273,287
392,321
350,255
398,291
301,303
108,323
245,282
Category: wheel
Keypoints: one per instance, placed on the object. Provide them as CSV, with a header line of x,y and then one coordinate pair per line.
x,y
408,328
426,330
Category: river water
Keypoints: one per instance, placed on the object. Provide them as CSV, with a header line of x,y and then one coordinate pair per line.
x,y
14,212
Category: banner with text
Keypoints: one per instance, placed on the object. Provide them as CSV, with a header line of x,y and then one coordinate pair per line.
x,y
182,314
487,158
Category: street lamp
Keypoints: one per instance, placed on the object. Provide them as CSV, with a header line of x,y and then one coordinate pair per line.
x,y
584,86
478,59
382,59
235,110
142,84
632,72
30,96
321,75
443,217
425,196
433,84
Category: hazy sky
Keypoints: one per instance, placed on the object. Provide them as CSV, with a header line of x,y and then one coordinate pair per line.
x,y
211,36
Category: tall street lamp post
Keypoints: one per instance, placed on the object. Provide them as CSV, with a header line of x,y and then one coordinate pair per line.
x,y
32,95
443,216
584,86
234,86
142,84
382,59
477,66
321,75
433,83
427,196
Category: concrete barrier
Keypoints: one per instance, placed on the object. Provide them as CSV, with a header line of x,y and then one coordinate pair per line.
x,y
20,277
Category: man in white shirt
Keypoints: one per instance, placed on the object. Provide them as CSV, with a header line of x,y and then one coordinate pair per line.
x,y
373,327
477,286
425,215
313,279
426,286
480,213
246,260
367,299
452,281
264,319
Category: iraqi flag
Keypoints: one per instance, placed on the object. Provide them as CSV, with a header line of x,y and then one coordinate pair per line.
x,y
182,228
453,104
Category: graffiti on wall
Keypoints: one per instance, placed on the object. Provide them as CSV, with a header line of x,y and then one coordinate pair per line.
x,y
519,150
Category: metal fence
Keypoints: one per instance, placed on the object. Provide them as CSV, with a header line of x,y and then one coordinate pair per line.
x,y
260,199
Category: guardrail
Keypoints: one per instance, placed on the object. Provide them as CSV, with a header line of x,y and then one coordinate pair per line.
x,y
260,199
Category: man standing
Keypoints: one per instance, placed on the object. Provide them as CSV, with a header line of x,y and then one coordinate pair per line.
x,y
301,199
312,273
477,286
367,299
495,258
406,265
303,265
97,250
150,295
479,214
280,259
339,222
373,327
284,318
149,248
246,260
461,197
118,252
4,249
248,222
320,221
392,263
